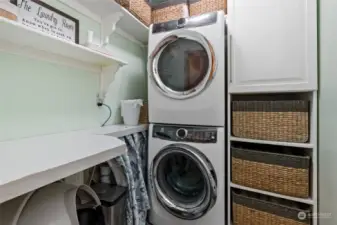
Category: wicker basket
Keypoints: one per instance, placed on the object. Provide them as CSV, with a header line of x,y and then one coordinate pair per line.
x,y
205,6
173,12
139,8
252,211
8,10
144,114
271,120
274,172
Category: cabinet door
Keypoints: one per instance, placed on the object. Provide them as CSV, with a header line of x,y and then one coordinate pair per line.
x,y
272,45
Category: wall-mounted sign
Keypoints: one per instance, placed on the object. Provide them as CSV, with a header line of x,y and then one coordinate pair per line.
x,y
39,15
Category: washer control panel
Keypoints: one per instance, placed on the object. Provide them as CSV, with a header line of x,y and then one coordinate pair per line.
x,y
185,133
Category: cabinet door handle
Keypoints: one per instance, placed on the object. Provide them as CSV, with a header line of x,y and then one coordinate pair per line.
x,y
230,58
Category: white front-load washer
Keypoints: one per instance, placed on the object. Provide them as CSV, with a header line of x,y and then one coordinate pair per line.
x,y
186,71
186,174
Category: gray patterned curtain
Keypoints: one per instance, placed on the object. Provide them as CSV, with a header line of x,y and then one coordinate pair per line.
x,y
134,164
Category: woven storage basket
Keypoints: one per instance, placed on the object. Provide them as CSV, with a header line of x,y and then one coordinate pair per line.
x,y
254,211
271,120
205,6
8,10
280,173
173,12
8,15
144,114
139,8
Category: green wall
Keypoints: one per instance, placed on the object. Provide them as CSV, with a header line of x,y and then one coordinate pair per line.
x,y
38,97
327,111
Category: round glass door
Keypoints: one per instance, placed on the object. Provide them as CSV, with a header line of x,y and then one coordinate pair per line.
x,y
184,181
182,65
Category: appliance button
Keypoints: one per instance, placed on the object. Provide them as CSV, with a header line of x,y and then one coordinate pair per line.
x,y
181,22
181,133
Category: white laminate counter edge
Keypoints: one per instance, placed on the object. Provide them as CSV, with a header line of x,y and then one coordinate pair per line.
x,y
118,130
30,163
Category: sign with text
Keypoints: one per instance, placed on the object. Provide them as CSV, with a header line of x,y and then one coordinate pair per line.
x,y
39,15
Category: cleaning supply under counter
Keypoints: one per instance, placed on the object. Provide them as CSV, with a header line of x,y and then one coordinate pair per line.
x,y
113,202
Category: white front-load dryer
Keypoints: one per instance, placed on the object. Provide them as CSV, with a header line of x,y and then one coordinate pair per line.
x,y
186,175
186,71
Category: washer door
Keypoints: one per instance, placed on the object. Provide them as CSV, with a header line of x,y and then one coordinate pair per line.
x,y
182,64
183,181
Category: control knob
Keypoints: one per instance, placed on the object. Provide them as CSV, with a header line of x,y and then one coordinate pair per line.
x,y
181,133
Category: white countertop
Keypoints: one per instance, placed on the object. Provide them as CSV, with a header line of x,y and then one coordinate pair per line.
x,y
118,130
30,163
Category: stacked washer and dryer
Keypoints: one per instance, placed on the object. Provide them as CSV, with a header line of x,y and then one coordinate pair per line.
x,y
187,101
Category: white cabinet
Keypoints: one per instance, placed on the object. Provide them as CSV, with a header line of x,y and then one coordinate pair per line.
x,y
272,45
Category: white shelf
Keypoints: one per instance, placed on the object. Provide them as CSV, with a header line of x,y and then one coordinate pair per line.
x,y
31,163
302,200
21,39
287,144
312,147
128,23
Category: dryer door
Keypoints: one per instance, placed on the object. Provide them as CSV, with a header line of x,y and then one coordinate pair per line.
x,y
182,65
184,181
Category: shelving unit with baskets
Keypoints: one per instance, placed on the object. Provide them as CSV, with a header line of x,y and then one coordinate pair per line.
x,y
272,158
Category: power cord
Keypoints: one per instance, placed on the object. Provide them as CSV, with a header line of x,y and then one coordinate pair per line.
x,y
110,112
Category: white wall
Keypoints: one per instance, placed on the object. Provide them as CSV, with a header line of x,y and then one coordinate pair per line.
x,y
37,97
328,111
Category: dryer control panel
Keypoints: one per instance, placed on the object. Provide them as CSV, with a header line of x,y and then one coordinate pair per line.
x,y
195,21
185,133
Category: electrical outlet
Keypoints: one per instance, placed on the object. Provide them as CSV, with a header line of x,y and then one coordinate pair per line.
x,y
99,100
